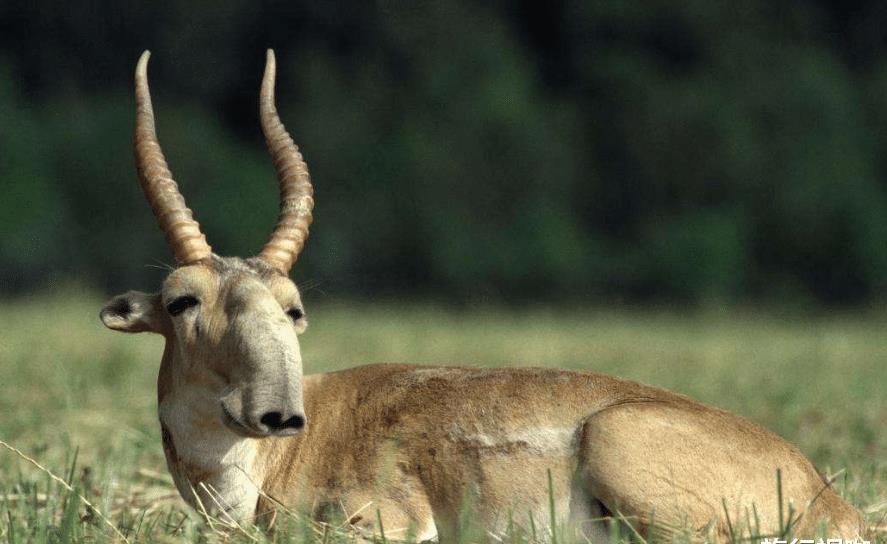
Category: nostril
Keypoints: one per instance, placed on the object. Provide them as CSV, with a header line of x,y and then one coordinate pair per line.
x,y
295,422
275,421
272,419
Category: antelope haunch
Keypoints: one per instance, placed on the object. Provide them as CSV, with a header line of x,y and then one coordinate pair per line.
x,y
240,423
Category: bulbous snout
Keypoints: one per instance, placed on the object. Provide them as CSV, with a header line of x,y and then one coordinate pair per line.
x,y
263,366
254,414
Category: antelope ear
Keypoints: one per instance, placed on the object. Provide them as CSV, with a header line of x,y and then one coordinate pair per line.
x,y
134,311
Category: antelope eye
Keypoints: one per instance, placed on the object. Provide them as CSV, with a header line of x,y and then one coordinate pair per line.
x,y
180,304
295,314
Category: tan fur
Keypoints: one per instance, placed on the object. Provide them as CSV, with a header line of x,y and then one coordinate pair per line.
x,y
421,444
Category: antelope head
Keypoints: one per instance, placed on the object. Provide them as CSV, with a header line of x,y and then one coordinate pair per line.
x,y
232,365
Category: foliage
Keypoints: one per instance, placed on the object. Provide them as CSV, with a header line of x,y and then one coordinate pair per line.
x,y
694,152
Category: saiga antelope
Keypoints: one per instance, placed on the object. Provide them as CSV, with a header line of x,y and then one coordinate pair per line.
x,y
240,423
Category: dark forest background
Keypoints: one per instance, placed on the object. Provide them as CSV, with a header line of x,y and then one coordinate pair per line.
x,y
689,152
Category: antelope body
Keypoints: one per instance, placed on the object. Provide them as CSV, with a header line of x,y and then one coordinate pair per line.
x,y
243,429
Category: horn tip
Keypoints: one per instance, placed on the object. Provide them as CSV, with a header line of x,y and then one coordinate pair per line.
x,y
270,62
270,75
142,66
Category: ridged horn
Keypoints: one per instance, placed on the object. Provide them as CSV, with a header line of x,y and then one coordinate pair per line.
x,y
187,242
296,193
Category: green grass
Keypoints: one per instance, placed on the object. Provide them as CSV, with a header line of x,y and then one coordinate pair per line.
x,y
80,399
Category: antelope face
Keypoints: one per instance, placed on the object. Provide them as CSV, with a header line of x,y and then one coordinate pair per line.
x,y
232,357
232,352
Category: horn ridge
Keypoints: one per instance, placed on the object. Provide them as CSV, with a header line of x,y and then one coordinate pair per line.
x,y
296,193
182,232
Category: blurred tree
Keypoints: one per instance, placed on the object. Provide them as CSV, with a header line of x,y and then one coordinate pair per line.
x,y
570,150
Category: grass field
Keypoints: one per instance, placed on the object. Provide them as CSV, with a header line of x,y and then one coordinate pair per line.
x,y
80,399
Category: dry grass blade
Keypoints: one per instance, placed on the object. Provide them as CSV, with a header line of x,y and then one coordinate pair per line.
x,y
877,507
153,475
224,507
67,486
15,497
634,531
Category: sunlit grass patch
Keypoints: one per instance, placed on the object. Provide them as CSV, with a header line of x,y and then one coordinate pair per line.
x,y
69,386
